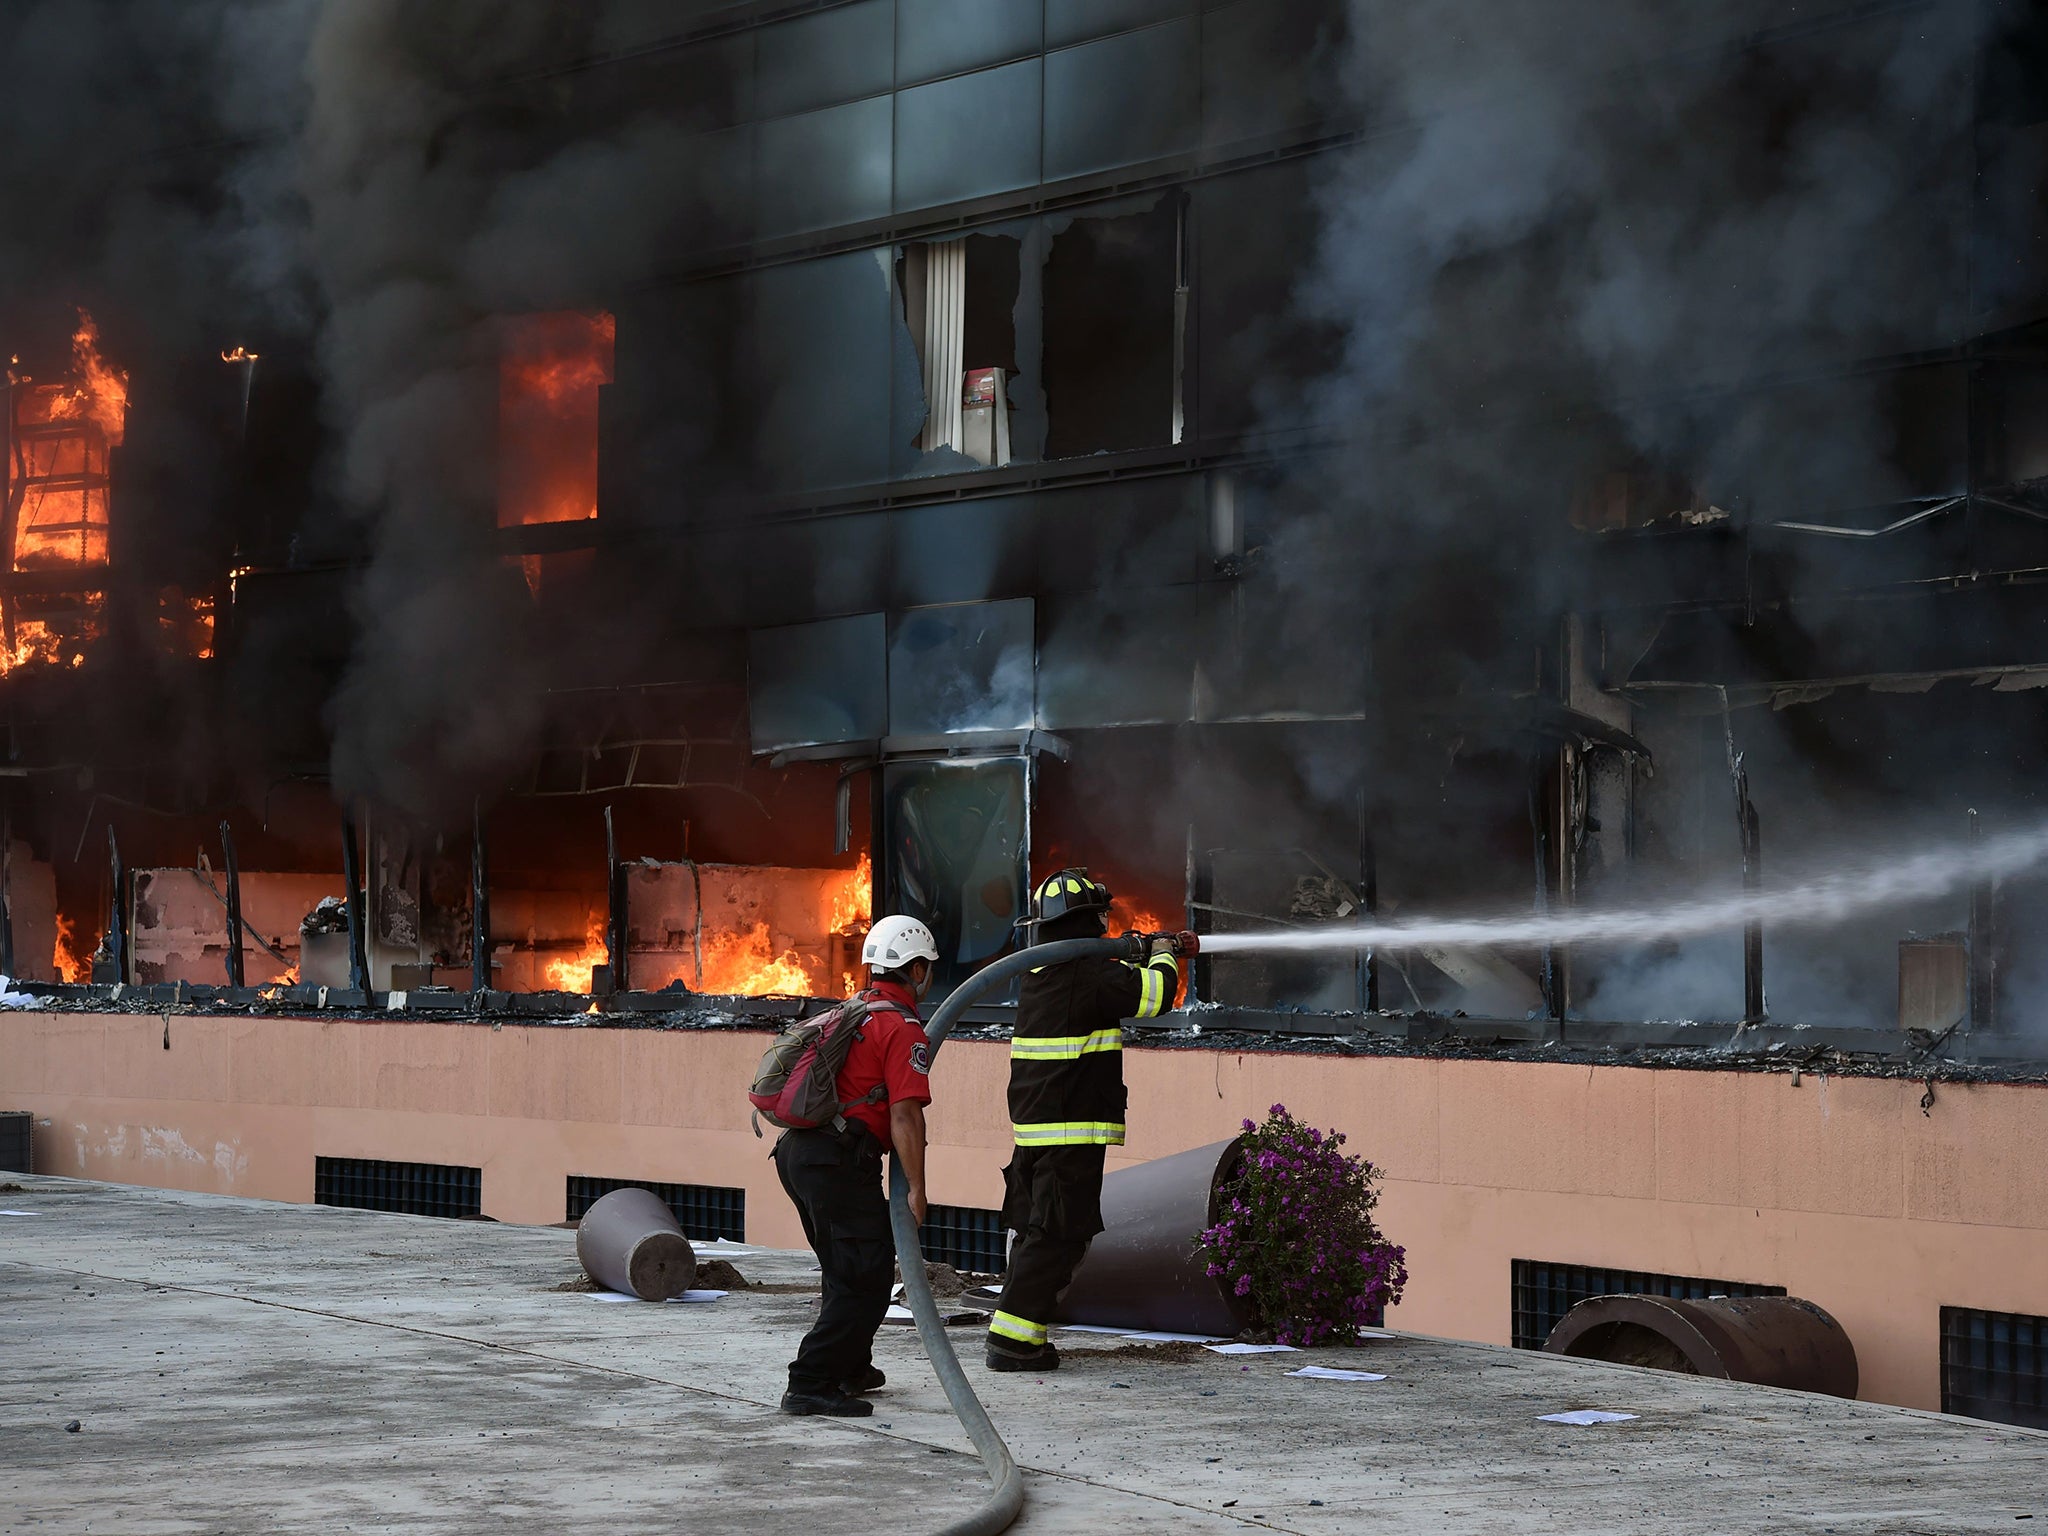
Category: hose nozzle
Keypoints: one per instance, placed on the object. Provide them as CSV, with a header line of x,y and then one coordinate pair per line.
x,y
1182,943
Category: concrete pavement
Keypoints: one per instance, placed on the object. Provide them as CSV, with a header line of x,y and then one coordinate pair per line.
x,y
240,1367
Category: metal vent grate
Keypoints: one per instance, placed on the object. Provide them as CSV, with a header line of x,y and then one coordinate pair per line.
x,y
1994,1365
1542,1293
964,1236
705,1212
419,1189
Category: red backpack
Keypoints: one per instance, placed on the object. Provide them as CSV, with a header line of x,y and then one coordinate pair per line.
x,y
797,1086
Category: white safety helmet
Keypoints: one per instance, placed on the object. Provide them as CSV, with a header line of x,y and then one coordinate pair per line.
x,y
896,941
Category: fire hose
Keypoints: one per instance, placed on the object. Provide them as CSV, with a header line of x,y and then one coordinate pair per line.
x,y
1006,1499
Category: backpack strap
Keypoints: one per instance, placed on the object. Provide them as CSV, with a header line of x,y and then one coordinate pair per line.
x,y
869,1000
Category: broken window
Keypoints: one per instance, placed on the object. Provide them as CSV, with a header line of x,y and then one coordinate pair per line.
x,y
551,370
1115,301
960,302
1064,339
59,480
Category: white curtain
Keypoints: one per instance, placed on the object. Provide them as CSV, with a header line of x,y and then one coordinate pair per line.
x,y
945,308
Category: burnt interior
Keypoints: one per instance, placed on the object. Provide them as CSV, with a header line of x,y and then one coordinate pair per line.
x,y
712,577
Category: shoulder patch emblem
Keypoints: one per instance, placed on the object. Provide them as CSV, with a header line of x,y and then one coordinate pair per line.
x,y
920,1059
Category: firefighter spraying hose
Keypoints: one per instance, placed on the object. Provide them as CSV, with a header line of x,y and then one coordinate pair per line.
x,y
1006,1500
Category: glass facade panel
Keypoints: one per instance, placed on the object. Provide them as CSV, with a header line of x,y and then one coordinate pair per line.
x,y
969,136
817,684
954,856
823,168
963,667
945,37
1123,100
1075,21
833,55
822,368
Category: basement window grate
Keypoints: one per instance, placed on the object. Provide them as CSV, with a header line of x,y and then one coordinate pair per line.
x,y
418,1189
1994,1365
964,1236
705,1212
1542,1293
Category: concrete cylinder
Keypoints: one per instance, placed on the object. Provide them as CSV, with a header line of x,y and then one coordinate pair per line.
x,y
1774,1341
1141,1271
629,1242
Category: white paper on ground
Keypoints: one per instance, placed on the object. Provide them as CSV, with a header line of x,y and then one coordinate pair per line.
x,y
9,998
699,1296
1253,1349
1324,1373
951,1317
1585,1416
1174,1338
20,1213
610,1296
1086,1328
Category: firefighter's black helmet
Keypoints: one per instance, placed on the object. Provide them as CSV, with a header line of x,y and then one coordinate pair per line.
x,y
1064,894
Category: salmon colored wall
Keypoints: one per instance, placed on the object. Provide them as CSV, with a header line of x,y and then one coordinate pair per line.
x,y
1839,1189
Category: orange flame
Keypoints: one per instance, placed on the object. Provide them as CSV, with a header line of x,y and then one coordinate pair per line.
x,y
747,965
548,379
185,624
574,973
72,958
97,393
750,963
240,355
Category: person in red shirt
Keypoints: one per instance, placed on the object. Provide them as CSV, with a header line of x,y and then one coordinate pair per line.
x,y
833,1175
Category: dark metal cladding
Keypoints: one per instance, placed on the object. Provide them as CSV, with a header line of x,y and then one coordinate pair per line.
x,y
117,919
629,1242
1142,1271
233,876
352,872
479,905
1773,1341
615,912
7,880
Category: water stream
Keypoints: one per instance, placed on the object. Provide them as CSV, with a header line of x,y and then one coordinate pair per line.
x,y
1816,901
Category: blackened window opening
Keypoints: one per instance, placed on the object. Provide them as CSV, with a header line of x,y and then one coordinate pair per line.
x,y
1110,333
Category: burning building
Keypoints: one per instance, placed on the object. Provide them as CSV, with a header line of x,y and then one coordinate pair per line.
x,y
770,464
923,466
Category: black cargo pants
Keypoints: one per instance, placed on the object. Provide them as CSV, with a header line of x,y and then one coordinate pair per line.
x,y
835,1182
1053,1201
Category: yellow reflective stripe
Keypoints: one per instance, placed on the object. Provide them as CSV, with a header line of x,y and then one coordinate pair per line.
x,y
1070,1133
1065,1047
1022,1329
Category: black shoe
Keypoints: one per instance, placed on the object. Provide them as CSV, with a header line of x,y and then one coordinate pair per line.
x,y
1043,1358
834,1404
869,1380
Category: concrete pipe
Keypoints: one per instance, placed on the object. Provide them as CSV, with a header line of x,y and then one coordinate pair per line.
x,y
1142,1272
629,1242
1774,1341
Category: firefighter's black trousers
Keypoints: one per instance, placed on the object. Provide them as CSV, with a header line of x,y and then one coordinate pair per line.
x,y
1053,1202
835,1181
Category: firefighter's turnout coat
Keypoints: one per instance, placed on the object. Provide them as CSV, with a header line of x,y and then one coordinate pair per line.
x,y
1066,1056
